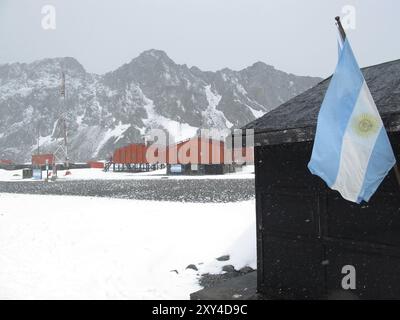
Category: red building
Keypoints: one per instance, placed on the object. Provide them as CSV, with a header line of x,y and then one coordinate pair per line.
x,y
131,154
40,159
198,155
196,150
133,157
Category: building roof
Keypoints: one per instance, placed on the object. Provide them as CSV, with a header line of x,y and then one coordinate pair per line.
x,y
296,119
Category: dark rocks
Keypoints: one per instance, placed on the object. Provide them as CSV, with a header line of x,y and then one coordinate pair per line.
x,y
228,268
224,258
243,287
192,267
246,270
209,280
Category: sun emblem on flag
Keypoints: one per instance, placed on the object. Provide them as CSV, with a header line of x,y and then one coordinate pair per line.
x,y
366,124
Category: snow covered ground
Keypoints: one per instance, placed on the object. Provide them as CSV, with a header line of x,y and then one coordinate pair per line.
x,y
90,174
64,247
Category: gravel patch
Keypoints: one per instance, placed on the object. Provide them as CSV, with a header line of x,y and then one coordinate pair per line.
x,y
207,190
208,280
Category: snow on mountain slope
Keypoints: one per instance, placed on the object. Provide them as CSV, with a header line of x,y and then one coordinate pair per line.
x,y
212,116
115,133
120,107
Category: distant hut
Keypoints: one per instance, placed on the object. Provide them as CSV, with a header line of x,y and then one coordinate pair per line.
x,y
6,164
40,160
306,233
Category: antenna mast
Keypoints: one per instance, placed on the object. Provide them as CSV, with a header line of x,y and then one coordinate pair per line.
x,y
38,138
61,153
64,121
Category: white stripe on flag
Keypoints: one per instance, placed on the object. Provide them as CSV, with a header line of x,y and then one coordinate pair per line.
x,y
358,143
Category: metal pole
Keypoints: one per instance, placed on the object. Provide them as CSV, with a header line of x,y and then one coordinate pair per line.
x,y
47,170
63,94
344,36
66,144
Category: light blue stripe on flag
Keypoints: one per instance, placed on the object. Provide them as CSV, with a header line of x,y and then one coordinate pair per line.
x,y
352,152
379,165
334,115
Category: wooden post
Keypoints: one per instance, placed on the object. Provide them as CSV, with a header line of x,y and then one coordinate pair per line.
x,y
397,173
343,36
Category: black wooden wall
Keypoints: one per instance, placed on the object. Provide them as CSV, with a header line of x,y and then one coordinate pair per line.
x,y
306,232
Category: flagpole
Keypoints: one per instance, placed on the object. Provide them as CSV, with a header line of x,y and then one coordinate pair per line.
x,y
341,29
343,36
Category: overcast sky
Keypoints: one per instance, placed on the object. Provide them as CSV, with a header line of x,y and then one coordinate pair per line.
x,y
296,36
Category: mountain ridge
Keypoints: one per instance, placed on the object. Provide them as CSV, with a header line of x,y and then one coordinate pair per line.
x,y
108,110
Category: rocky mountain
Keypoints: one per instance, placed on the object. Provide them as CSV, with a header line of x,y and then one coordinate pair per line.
x,y
119,107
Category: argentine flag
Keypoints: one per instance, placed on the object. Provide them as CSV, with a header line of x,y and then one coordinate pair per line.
x,y
352,152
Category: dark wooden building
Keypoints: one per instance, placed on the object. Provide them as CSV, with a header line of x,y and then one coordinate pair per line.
x,y
307,233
